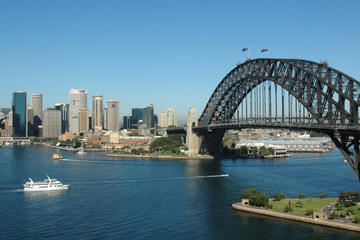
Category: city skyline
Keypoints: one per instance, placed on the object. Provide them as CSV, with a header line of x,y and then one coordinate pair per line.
x,y
140,53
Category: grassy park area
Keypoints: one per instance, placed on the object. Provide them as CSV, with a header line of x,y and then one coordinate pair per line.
x,y
301,207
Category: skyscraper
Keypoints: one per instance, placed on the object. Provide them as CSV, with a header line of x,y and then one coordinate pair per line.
x,y
37,104
105,118
127,122
97,113
78,100
84,120
30,113
113,115
30,121
144,116
51,123
63,108
19,111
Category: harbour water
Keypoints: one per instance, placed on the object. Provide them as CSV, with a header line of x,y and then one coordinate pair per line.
x,y
160,199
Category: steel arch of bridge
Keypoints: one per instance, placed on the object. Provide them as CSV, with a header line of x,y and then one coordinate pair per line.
x,y
330,96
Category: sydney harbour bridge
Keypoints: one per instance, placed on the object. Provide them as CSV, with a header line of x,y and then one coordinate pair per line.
x,y
287,94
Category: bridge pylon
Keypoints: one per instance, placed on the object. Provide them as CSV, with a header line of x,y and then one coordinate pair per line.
x,y
192,140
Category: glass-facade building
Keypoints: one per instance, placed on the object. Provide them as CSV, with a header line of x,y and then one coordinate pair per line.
x,y
145,115
19,109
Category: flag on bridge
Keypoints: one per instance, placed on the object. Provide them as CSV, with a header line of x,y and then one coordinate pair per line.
x,y
245,49
264,50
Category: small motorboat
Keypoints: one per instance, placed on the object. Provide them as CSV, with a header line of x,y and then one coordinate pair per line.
x,y
57,156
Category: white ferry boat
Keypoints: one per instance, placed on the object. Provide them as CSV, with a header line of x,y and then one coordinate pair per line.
x,y
46,185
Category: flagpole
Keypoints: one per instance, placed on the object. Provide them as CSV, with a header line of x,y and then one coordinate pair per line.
x,y
248,52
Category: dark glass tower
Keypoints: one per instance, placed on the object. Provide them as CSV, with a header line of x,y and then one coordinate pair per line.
x,y
19,109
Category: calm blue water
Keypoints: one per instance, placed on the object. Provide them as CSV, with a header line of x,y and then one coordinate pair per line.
x,y
159,199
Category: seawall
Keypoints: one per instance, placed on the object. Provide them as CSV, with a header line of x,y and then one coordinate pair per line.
x,y
240,207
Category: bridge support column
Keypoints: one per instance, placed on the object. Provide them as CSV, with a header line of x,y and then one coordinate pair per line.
x,y
343,143
192,140
211,142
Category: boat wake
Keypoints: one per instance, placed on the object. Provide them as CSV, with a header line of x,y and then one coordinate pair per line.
x,y
11,190
122,181
86,161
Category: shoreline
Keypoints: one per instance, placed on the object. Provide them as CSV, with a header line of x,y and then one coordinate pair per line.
x,y
202,157
239,206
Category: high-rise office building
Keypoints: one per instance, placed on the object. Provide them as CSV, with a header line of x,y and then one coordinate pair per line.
x,y
78,100
97,113
19,114
113,116
37,104
105,118
51,123
63,108
168,118
30,112
30,121
143,116
84,120
127,122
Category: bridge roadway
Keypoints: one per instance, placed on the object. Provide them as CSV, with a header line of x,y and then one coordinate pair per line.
x,y
334,129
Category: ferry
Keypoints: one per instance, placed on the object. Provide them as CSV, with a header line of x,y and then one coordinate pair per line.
x,y
48,184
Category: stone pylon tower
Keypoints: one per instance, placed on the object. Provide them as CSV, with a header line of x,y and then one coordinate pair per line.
x,y
192,140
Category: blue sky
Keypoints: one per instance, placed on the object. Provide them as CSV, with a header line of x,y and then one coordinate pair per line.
x,y
169,53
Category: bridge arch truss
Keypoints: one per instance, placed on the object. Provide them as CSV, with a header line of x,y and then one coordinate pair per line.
x,y
330,97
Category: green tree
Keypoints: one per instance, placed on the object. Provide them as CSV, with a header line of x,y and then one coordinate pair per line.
x,y
309,212
349,198
270,151
323,195
243,150
278,196
259,200
249,192
357,219
262,150
302,195
254,150
332,215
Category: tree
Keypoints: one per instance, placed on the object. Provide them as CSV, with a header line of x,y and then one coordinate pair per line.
x,y
254,150
323,195
270,151
332,215
349,198
133,133
249,192
244,150
356,219
278,196
309,212
302,195
167,144
262,150
259,200
256,198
